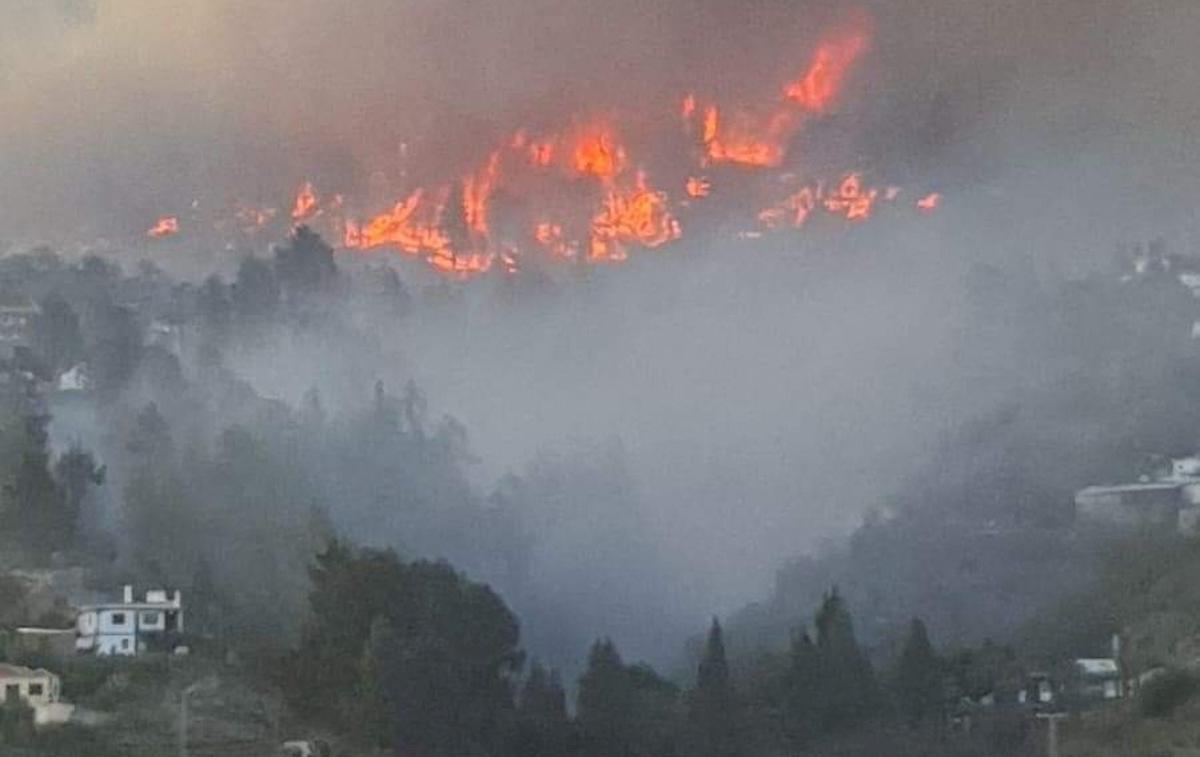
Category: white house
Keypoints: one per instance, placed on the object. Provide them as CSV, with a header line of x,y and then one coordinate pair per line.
x,y
33,687
39,689
1098,678
75,380
1169,500
130,627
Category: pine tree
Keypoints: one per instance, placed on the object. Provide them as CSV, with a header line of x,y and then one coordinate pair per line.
x,y
713,712
605,700
803,707
848,685
374,703
917,679
543,727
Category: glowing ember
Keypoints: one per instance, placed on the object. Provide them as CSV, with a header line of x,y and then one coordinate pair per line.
x,y
550,237
164,227
252,219
851,200
929,203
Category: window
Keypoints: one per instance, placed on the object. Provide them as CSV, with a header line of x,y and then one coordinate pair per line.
x,y
124,643
36,690
118,618
12,692
149,619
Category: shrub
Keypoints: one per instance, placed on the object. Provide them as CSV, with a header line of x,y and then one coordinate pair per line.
x,y
1160,696
16,723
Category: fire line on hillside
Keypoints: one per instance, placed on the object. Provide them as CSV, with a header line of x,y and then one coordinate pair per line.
x,y
452,226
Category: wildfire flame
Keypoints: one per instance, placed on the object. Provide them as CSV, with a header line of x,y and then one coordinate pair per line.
x,y
164,227
822,82
550,236
599,154
640,217
305,205
583,196
929,203
697,187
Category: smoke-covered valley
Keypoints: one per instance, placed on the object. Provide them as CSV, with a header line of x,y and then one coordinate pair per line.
x,y
630,448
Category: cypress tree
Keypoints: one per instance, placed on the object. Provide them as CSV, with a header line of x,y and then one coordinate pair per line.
x,y
374,703
803,707
543,727
848,686
713,711
606,701
917,679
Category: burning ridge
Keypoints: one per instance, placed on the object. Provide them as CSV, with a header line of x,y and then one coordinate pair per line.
x,y
585,196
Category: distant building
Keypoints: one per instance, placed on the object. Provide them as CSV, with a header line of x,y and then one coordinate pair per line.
x,y
131,627
33,687
16,320
38,689
1169,501
1037,691
1097,680
74,380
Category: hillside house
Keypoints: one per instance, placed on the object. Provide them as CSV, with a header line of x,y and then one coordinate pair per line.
x,y
38,689
1169,501
33,687
16,320
1097,680
131,627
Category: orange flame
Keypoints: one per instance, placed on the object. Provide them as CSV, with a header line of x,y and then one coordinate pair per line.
x,y
305,205
640,217
477,191
550,236
697,186
746,142
822,82
164,227
598,154
688,108
851,200
450,225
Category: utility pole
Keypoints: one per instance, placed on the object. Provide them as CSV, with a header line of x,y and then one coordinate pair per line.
x,y
204,684
1051,719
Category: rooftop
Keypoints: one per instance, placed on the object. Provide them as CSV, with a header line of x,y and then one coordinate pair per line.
x,y
1098,666
19,671
1149,486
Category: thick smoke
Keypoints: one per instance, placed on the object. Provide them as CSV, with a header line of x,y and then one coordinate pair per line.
x,y
763,397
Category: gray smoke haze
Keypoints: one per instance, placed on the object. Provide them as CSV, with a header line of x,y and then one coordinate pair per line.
x,y
764,398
